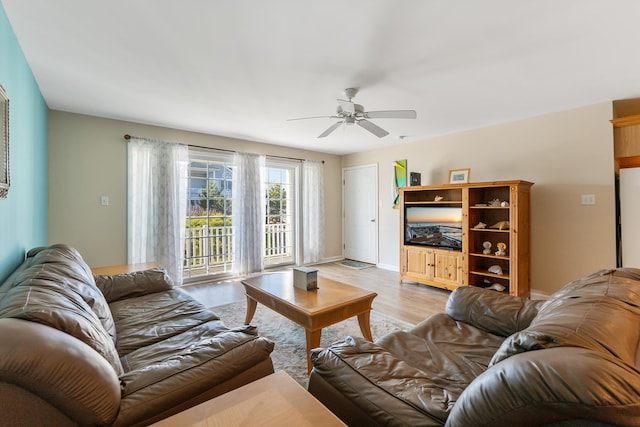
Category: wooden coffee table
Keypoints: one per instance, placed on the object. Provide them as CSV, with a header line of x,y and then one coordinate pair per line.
x,y
331,303
274,400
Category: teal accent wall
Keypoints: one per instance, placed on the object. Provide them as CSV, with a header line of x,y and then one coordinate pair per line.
x,y
23,214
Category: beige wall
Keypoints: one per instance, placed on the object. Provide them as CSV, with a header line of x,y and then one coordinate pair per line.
x,y
88,159
565,154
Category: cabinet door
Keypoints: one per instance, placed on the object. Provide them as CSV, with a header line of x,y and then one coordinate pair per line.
x,y
416,262
447,267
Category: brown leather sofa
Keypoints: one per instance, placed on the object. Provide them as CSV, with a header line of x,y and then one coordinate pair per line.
x,y
497,360
119,350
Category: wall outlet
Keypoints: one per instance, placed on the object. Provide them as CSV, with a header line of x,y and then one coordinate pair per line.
x,y
588,199
104,200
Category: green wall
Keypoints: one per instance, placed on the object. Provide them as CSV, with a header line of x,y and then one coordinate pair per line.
x,y
23,215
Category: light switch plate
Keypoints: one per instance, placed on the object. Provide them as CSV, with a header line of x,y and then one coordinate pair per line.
x,y
588,199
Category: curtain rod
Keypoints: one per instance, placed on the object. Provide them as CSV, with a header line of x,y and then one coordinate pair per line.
x,y
128,137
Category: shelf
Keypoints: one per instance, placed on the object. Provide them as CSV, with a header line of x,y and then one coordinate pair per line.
x,y
504,276
489,207
430,248
506,258
433,202
505,292
490,230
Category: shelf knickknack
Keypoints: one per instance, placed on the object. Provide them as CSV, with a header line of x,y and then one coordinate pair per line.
x,y
4,143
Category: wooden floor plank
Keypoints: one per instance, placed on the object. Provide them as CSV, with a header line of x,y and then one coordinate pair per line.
x,y
411,302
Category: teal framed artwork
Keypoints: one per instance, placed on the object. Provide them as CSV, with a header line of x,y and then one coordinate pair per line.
x,y
399,180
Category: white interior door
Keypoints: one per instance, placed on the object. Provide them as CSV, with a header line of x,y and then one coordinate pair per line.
x,y
630,216
360,213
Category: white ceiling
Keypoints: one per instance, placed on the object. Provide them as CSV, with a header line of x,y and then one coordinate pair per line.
x,y
242,68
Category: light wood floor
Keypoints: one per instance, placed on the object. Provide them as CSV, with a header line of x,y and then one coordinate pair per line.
x,y
411,302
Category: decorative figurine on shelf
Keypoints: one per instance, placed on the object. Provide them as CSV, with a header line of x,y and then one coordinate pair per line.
x,y
480,225
495,269
497,287
494,203
504,204
501,225
486,248
502,249
438,198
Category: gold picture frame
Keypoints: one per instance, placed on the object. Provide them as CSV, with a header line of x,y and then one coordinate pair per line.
x,y
4,144
459,176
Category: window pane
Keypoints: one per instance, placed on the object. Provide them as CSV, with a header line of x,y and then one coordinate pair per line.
x,y
280,227
208,244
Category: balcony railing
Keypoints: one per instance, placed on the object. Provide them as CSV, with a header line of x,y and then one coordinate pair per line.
x,y
209,250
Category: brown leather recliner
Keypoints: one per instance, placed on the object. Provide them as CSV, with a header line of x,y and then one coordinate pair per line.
x,y
119,350
497,360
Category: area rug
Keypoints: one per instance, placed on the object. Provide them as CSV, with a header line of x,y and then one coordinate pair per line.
x,y
289,353
354,264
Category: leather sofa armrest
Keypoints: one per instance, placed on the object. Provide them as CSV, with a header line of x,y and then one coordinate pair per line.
x,y
132,284
60,370
550,386
492,311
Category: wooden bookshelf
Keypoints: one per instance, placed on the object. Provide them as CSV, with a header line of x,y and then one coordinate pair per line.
x,y
503,204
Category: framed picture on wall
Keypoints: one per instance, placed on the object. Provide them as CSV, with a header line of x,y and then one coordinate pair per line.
x,y
459,176
415,178
4,143
399,180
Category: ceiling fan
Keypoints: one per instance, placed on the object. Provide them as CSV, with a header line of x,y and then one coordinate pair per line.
x,y
351,113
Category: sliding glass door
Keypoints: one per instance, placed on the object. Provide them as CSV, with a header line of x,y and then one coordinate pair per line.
x,y
209,229
281,233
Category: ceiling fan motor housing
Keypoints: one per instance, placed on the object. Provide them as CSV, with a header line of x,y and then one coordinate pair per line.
x,y
358,111
350,92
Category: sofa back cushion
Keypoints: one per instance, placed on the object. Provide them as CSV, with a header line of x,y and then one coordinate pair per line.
x,y
134,284
61,309
600,312
64,265
55,287
491,311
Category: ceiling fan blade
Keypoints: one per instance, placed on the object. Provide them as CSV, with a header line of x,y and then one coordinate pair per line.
x,y
347,106
391,114
331,129
316,117
373,128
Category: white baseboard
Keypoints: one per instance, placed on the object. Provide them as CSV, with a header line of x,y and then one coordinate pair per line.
x,y
389,267
327,260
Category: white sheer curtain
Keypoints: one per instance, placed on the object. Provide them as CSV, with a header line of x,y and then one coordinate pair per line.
x,y
157,203
248,213
312,210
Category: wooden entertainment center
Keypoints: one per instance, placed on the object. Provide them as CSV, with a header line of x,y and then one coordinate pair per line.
x,y
493,215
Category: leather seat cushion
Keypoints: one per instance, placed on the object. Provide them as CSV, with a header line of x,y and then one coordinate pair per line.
x,y
148,319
